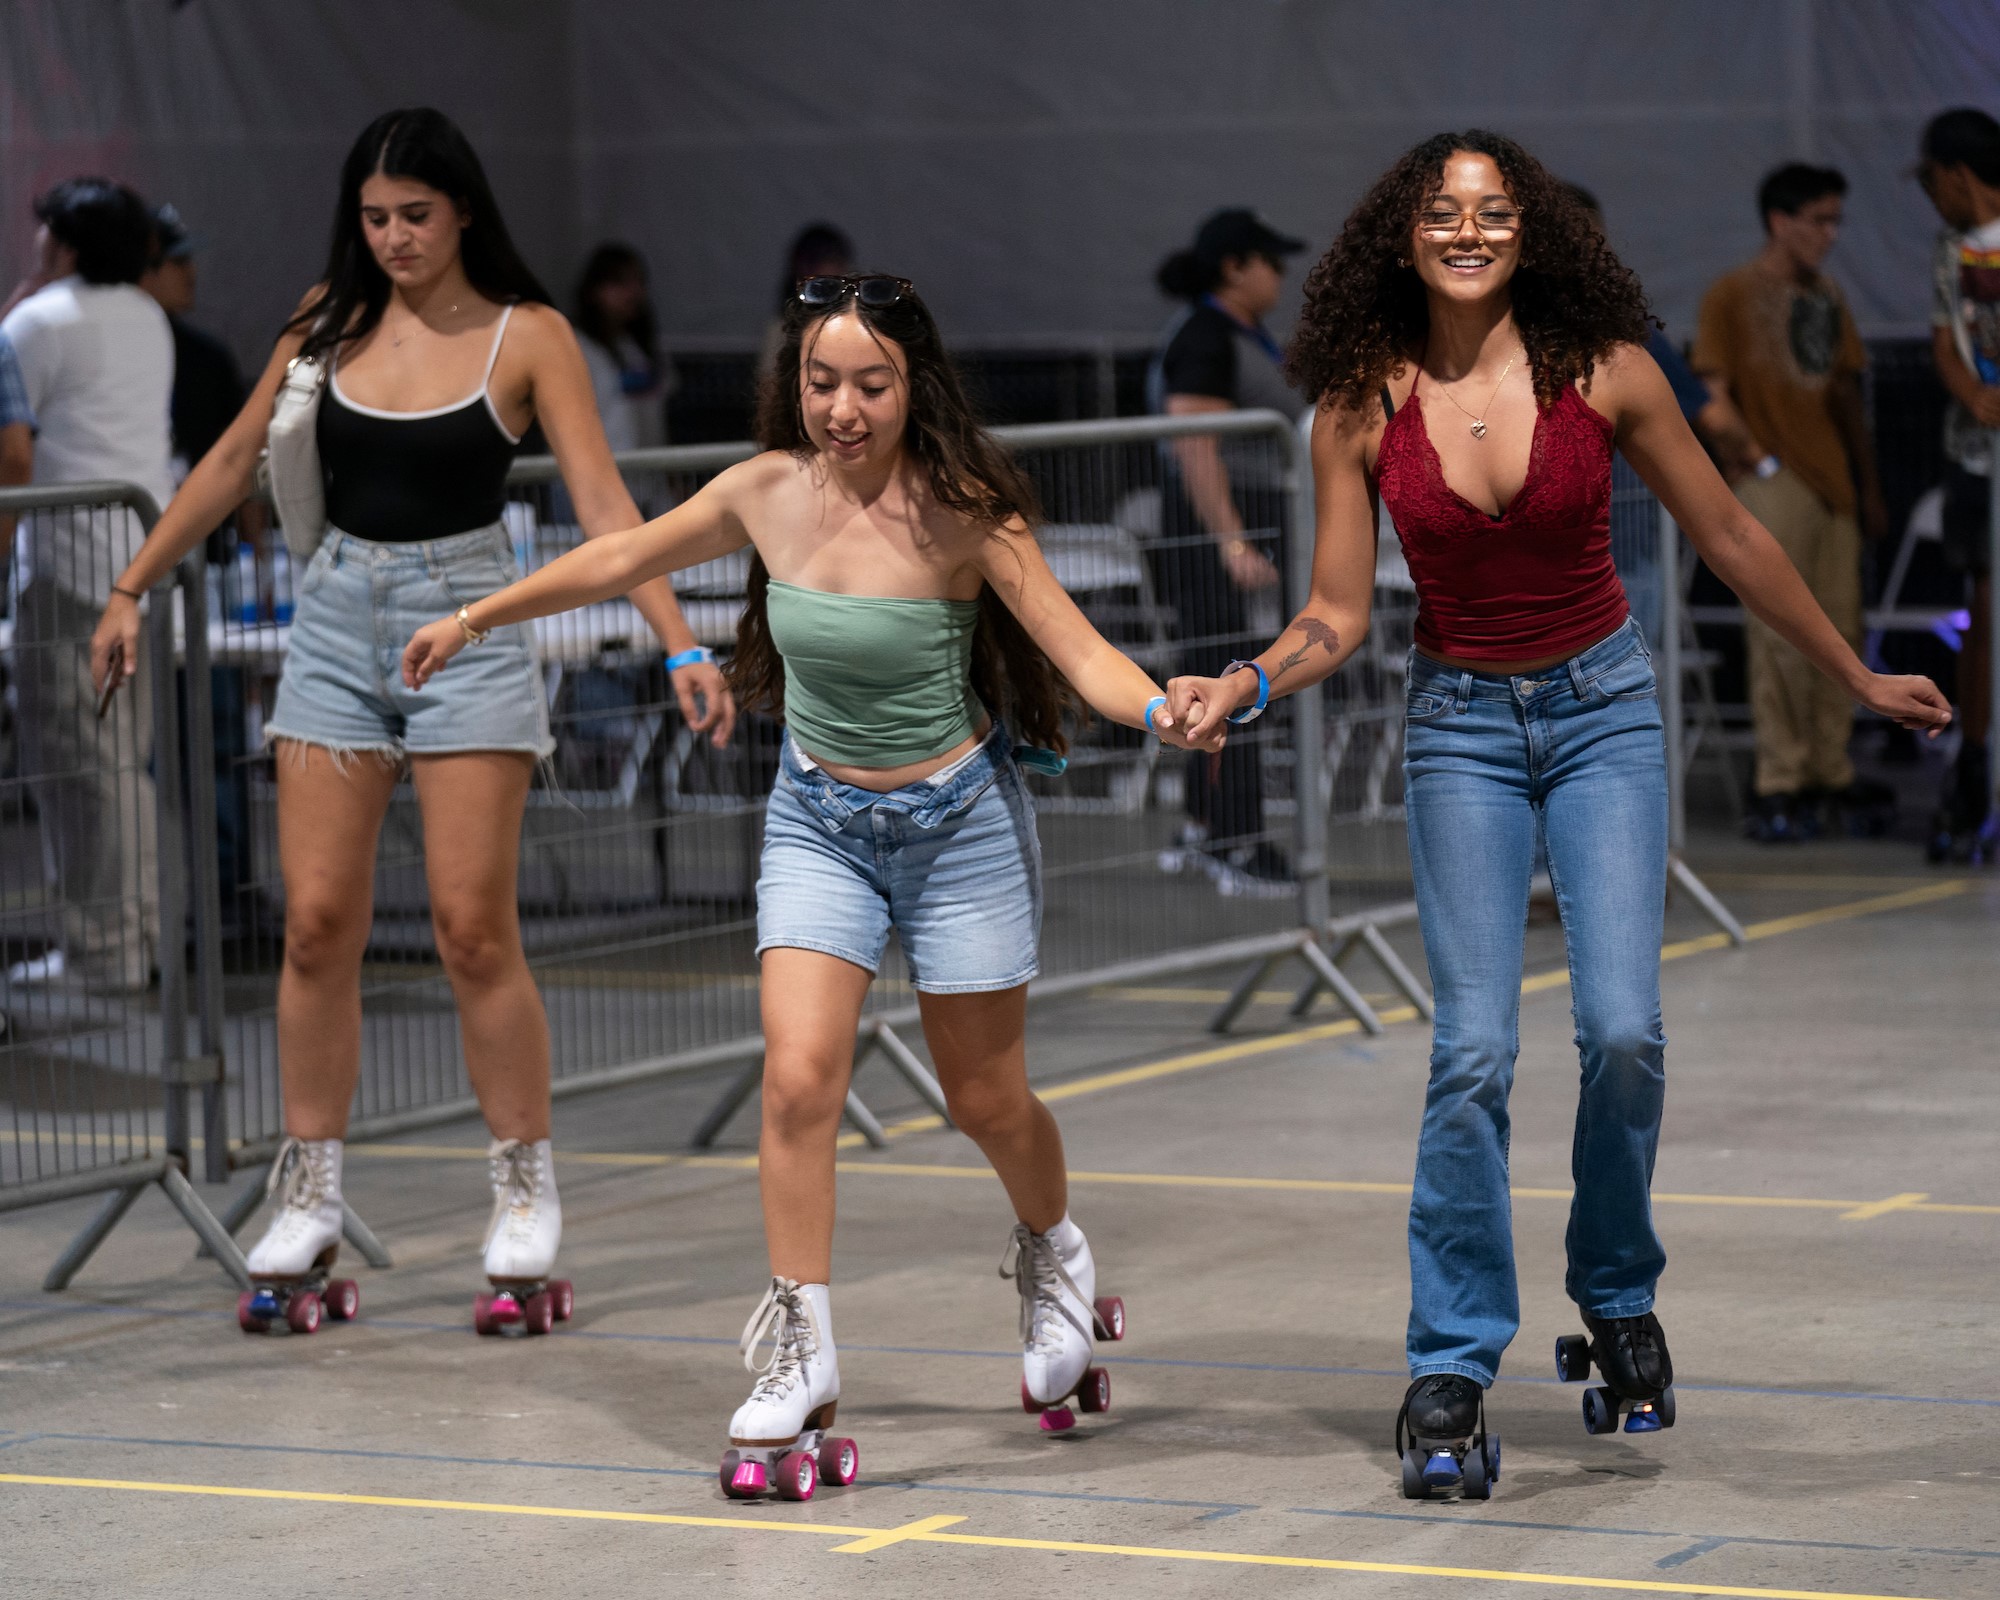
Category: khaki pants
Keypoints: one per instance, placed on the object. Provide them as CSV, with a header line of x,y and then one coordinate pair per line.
x,y
93,788
1802,718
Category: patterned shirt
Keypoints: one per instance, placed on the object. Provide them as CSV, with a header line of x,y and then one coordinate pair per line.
x,y
1966,280
14,405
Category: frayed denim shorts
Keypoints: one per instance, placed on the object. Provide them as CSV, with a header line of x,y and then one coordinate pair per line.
x,y
950,862
359,602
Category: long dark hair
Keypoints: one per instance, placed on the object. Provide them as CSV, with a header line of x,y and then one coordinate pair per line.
x,y
608,263
424,145
967,470
1365,312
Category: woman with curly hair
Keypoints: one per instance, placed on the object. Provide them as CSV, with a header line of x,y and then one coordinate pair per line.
x,y
899,611
1477,353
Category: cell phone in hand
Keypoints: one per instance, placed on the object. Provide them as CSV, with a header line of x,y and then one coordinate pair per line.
x,y
114,674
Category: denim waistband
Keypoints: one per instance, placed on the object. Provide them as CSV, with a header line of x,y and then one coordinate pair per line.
x,y
428,553
1574,673
925,801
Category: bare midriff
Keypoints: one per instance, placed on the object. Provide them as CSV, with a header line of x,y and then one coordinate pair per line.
x,y
881,780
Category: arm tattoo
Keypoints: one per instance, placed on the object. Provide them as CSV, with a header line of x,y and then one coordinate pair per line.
x,y
1317,633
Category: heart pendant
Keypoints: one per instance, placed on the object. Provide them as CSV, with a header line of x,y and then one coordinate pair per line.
x,y
1479,430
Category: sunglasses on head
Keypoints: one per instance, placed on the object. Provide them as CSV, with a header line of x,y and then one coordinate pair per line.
x,y
875,290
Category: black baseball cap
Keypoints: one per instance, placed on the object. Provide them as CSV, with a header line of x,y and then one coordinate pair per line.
x,y
171,238
1237,231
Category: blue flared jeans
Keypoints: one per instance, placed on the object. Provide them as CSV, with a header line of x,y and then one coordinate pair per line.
x,y
1573,752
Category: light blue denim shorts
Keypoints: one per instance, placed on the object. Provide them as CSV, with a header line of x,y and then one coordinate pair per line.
x,y
950,862
359,601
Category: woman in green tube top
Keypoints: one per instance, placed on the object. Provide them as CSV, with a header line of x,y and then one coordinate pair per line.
x,y
903,619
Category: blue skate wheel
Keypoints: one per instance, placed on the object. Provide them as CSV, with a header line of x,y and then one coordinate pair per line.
x,y
1413,1476
1442,1470
1476,1484
1600,1411
1493,1458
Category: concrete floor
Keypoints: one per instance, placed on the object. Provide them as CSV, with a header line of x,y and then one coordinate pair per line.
x,y
1826,1190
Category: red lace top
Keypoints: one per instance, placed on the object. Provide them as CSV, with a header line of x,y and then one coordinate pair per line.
x,y
1536,580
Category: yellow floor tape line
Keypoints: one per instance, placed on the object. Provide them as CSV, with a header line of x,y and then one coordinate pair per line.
x,y
930,1530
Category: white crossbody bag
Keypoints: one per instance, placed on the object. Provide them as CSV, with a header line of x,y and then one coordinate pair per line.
x,y
292,457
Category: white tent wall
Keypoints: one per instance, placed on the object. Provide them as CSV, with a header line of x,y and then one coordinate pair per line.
x,y
1028,164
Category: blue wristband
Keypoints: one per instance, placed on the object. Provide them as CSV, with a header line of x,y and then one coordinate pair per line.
x,y
1250,713
1153,705
687,658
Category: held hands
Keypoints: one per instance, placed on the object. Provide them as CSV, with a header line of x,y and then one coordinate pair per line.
x,y
1909,702
1171,729
430,647
1198,706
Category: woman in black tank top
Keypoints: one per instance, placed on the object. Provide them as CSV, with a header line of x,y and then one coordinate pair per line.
x,y
440,349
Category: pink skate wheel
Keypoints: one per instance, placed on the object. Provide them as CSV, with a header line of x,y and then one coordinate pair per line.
x,y
798,1476
1110,1317
482,1315
302,1315
839,1461
564,1297
539,1314
342,1299
741,1479
1058,1419
245,1320
1094,1393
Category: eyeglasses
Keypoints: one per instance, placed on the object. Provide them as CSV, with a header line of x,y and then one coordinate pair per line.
x,y
1492,222
875,290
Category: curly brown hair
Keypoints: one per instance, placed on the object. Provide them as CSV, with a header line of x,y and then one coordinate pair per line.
x,y
968,470
1366,315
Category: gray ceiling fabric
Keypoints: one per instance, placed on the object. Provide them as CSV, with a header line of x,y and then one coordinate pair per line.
x,y
1028,165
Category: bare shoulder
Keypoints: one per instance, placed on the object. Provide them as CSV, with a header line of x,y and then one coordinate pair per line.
x,y
1344,432
1625,379
539,329
767,473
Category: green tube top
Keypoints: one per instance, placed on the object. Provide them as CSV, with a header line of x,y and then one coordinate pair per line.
x,y
872,681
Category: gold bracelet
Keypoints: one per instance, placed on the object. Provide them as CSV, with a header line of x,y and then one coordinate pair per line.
x,y
462,616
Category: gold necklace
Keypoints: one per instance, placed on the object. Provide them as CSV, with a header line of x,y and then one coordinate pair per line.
x,y
396,339
1479,422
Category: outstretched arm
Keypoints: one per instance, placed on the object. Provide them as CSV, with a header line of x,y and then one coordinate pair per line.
x,y
1111,682
567,411
1334,620
699,529
1655,438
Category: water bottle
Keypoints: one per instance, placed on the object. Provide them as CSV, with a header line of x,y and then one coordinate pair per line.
x,y
246,583
282,602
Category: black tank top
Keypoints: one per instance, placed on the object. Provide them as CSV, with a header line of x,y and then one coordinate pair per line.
x,y
401,476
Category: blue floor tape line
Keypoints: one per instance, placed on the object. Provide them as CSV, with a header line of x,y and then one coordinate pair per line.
x,y
571,1331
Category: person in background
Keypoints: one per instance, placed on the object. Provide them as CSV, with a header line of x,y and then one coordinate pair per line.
x,y
208,392
818,250
1776,334
17,437
621,346
1221,514
1960,171
97,364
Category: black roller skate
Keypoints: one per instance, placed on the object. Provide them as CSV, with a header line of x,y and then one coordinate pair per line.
x,y
1963,832
1442,1439
1631,1353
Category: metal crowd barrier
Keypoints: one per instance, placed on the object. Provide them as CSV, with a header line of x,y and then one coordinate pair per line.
x,y
111,1063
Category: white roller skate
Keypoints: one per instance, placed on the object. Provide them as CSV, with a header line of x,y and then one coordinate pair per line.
x,y
521,1240
778,1438
289,1265
1061,1311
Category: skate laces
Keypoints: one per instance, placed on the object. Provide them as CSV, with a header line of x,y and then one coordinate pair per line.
x,y
786,1316
517,1188
301,1183
1434,1383
1031,1262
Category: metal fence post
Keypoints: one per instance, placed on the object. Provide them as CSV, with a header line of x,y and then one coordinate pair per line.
x,y
1673,717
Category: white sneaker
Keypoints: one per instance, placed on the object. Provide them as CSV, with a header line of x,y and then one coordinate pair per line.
x,y
48,968
797,1390
526,1225
305,1233
1058,1283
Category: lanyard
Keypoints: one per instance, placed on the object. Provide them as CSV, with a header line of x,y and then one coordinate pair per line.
x,y
1254,330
